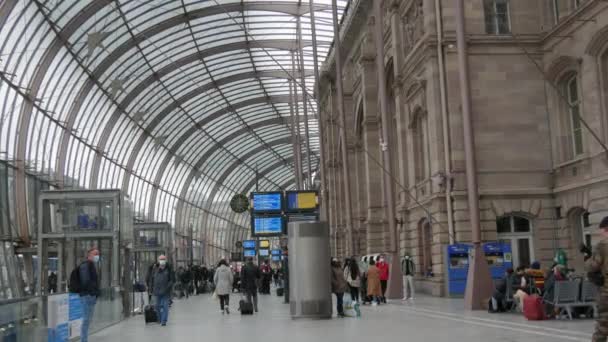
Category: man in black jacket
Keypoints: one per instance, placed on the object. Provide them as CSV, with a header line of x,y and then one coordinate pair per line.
x,y
250,275
89,290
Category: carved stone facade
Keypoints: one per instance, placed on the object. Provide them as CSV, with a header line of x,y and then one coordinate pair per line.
x,y
543,177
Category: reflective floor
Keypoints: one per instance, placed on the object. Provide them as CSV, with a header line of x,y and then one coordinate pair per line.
x,y
428,319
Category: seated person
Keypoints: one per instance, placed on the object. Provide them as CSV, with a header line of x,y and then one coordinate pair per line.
x,y
521,286
536,276
557,273
498,300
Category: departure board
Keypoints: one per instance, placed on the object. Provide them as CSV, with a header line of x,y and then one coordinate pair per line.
x,y
267,225
267,202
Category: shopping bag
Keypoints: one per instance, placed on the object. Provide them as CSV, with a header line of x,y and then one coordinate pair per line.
x,y
214,296
349,307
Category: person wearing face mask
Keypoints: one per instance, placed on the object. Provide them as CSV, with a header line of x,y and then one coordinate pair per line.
x,y
338,285
409,270
383,267
162,284
89,290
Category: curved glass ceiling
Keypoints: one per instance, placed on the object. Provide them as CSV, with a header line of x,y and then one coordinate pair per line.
x,y
176,102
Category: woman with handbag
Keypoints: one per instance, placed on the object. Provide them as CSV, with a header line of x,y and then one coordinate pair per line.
x,y
223,279
353,278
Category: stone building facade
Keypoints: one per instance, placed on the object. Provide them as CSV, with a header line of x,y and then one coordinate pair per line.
x,y
536,68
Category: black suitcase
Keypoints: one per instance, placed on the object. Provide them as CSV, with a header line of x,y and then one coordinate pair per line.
x,y
150,314
280,292
245,307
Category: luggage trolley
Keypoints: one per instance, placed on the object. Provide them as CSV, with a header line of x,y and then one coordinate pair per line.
x,y
150,240
71,222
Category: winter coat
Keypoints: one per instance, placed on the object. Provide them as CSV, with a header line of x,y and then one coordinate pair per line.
x,y
162,281
338,283
356,282
373,282
383,267
250,274
223,280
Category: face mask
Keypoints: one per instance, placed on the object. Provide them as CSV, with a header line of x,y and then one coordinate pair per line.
x,y
381,260
163,262
96,258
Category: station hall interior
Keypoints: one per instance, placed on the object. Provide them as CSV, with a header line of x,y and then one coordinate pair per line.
x,y
455,140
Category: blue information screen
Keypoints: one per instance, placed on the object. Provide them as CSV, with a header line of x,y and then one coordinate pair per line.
x,y
249,244
249,253
268,225
276,258
264,252
272,202
277,252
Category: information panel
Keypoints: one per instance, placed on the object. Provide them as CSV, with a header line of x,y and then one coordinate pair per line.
x,y
249,244
267,225
277,252
267,202
249,253
264,252
299,201
276,258
265,244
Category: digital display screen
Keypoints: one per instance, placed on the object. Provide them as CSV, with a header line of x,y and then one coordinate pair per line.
x,y
265,244
267,225
267,202
301,201
249,244
249,253
276,258
277,252
264,252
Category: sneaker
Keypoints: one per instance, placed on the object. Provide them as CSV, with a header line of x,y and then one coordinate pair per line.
x,y
222,312
374,303
228,311
163,324
405,298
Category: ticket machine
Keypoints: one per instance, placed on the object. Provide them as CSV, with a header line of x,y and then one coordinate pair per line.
x,y
499,257
457,262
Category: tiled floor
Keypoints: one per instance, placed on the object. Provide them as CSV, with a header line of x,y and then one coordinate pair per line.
x,y
428,319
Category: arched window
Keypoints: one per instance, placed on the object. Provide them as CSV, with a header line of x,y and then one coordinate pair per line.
x,y
517,231
425,233
575,129
419,128
497,16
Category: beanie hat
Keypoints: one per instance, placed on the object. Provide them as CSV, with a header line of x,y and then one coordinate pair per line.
x,y
604,223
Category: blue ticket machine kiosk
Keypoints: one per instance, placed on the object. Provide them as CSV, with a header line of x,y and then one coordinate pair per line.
x,y
499,257
457,268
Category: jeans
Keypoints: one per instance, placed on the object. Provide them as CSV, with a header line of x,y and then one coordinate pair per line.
x,y
340,302
88,307
408,286
354,293
383,284
162,308
253,294
224,301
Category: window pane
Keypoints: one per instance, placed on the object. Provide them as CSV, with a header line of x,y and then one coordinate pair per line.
x,y
521,225
586,222
573,90
523,246
488,7
503,224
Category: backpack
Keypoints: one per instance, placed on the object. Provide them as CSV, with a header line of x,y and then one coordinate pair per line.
x,y
596,278
75,285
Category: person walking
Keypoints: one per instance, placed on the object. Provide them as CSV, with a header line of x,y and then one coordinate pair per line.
x,y
352,275
374,286
250,276
408,269
383,267
598,263
223,285
162,286
89,290
338,285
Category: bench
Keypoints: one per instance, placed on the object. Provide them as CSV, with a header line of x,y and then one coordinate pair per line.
x,y
571,294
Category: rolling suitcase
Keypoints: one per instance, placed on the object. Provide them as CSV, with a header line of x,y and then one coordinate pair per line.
x,y
150,314
280,292
245,307
533,308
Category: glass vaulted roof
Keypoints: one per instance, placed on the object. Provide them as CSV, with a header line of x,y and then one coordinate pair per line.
x,y
177,102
